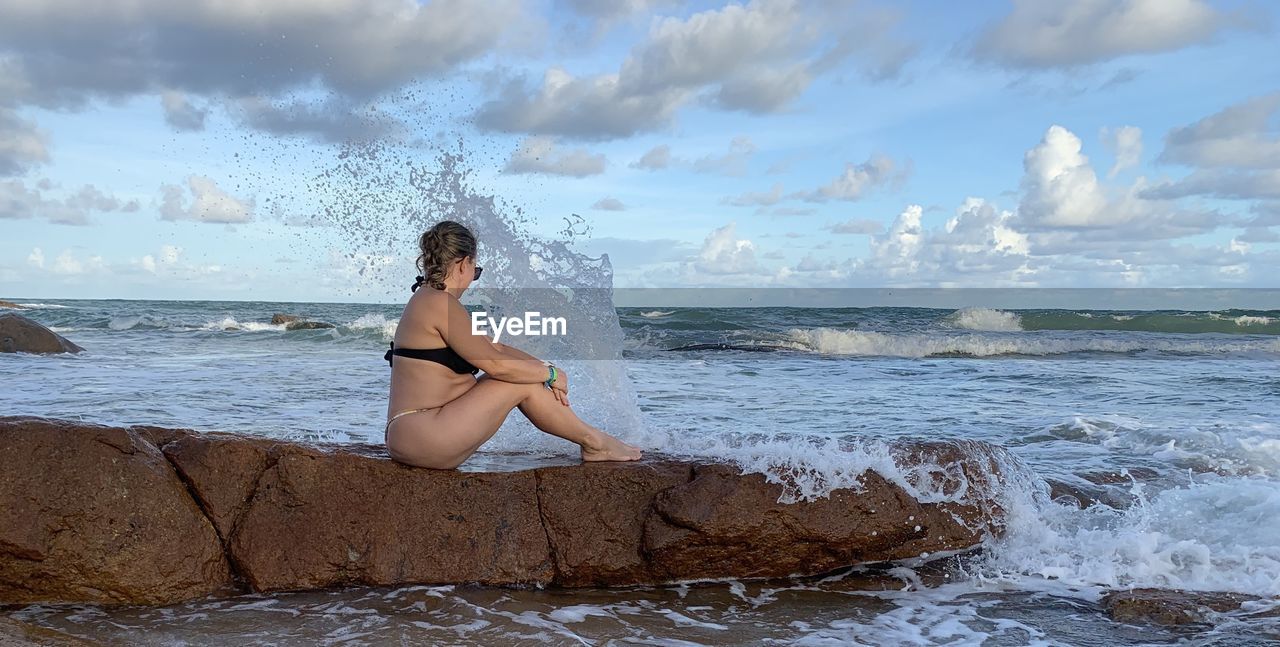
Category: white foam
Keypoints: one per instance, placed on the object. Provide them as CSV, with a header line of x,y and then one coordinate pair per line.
x,y
985,319
1249,320
654,314
231,323
375,321
855,342
1215,534
42,305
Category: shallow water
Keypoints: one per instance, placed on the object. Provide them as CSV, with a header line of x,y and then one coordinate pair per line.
x,y
1189,416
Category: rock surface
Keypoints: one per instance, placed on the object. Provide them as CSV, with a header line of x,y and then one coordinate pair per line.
x,y
294,322
10,304
19,334
1171,607
157,515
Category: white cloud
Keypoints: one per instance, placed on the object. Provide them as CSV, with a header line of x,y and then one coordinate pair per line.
x,y
1126,143
756,57
724,253
857,179
1061,188
1064,33
757,198
22,144
181,113
656,158
36,257
857,226
609,204
208,203
733,162
541,155
1243,135
17,200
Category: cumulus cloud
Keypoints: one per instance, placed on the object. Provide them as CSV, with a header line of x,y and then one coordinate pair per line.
x,y
609,204
22,144
757,58
334,120
724,253
17,200
1040,34
1061,188
656,158
1126,143
541,155
208,203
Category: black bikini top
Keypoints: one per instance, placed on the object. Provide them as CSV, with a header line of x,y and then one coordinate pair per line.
x,y
447,356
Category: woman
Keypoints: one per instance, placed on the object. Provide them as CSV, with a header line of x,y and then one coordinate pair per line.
x,y
442,412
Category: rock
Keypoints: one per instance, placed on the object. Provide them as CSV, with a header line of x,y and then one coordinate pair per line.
x,y
96,514
1124,476
213,511
294,322
10,304
1078,492
19,334
1173,607
16,633
307,325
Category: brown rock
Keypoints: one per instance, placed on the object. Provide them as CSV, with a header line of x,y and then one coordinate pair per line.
x,y
1172,607
307,325
292,516
726,522
17,633
96,514
322,519
19,334
594,515
10,304
279,318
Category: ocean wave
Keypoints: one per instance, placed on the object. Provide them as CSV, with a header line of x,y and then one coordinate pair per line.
x,y
38,306
832,341
985,319
654,314
374,322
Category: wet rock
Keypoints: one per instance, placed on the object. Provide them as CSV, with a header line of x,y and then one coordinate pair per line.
x,y
10,304
1173,607
294,322
1080,493
1123,476
261,515
96,514
17,633
19,334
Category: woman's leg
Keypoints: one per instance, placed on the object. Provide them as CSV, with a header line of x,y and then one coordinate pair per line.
x,y
473,418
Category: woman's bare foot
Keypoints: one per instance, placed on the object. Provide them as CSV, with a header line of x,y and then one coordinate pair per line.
x,y
604,447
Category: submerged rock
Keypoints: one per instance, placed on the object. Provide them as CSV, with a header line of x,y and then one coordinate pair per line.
x,y
209,512
10,304
19,334
1172,607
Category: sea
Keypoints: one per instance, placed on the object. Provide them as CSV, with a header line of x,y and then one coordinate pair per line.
x,y
1169,419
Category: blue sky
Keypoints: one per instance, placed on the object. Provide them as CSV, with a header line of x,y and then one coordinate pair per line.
x,y
1126,143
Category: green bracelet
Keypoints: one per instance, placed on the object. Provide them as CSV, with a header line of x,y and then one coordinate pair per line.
x,y
552,378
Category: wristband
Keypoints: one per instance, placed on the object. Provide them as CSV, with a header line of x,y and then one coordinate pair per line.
x,y
552,375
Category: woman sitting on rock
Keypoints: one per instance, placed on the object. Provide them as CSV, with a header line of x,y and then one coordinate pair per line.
x,y
454,412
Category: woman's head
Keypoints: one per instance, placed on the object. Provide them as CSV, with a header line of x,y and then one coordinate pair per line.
x,y
448,255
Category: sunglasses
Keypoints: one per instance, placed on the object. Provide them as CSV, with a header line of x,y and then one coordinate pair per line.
x,y
478,270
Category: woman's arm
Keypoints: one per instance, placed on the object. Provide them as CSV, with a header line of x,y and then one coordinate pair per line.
x,y
517,367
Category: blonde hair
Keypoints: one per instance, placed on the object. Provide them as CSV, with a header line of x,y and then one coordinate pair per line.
x,y
444,243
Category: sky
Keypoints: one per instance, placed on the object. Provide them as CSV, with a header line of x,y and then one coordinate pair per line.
x,y
160,150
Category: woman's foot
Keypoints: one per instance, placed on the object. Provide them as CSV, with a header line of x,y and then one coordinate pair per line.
x,y
603,447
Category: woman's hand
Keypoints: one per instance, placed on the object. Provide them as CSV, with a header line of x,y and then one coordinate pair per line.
x,y
560,387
